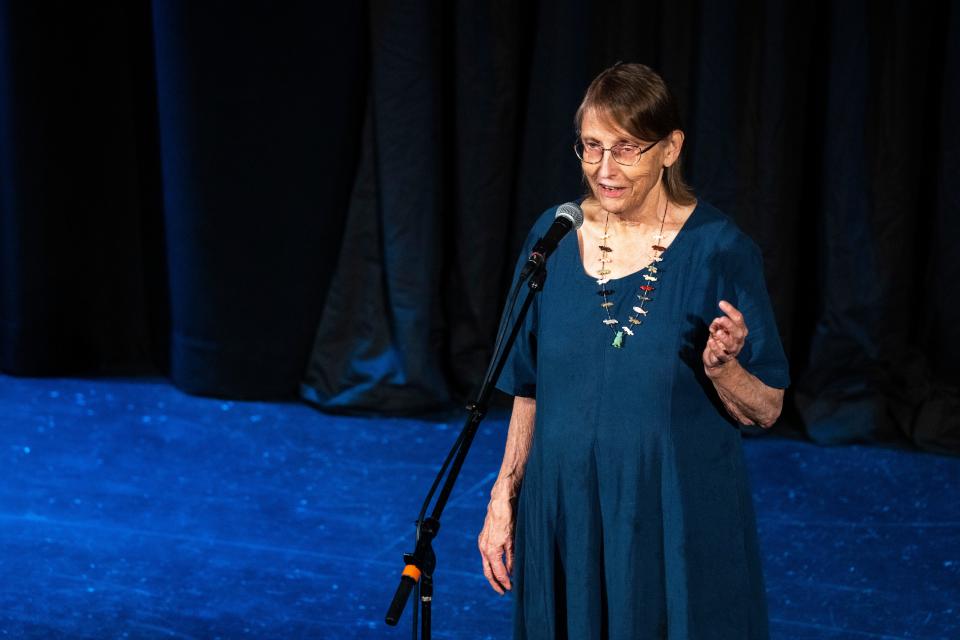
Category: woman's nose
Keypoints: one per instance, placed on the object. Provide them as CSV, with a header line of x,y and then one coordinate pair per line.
x,y
608,165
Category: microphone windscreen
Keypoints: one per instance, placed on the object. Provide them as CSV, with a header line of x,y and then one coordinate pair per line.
x,y
572,212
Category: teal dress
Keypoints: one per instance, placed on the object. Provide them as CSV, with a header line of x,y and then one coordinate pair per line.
x,y
635,518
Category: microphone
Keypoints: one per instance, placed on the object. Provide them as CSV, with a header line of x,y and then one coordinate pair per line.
x,y
569,216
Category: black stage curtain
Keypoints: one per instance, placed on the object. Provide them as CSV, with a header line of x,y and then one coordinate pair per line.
x,y
175,178
213,187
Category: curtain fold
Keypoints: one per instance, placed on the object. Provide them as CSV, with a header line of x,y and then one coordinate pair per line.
x,y
868,376
380,340
258,117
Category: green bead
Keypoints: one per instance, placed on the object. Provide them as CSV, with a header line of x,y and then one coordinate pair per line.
x,y
618,340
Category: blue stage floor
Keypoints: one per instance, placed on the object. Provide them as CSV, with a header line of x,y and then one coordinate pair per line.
x,y
131,510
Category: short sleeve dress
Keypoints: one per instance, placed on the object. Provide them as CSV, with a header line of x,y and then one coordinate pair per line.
x,y
635,518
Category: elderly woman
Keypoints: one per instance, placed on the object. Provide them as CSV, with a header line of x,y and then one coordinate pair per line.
x,y
622,508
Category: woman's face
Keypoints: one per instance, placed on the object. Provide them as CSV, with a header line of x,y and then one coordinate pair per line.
x,y
621,189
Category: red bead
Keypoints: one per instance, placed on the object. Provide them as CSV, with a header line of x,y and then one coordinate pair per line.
x,y
646,287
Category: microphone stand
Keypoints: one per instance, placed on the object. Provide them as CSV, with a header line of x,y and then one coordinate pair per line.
x,y
421,563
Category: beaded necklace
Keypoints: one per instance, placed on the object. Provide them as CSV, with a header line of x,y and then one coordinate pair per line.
x,y
645,289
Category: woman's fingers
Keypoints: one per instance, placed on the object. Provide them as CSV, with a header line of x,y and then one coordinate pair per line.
x,y
719,351
495,542
724,339
732,312
729,326
727,336
486,553
734,319
738,330
500,573
721,354
729,331
495,571
486,571
713,353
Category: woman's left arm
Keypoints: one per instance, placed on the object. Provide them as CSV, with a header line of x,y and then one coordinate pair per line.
x,y
745,397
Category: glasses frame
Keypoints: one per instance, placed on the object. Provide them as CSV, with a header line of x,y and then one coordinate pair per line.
x,y
643,150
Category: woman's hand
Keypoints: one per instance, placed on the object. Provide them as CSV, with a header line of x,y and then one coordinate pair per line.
x,y
727,334
496,544
746,398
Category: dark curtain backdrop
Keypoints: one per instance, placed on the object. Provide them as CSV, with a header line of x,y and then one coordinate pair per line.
x,y
174,180
261,199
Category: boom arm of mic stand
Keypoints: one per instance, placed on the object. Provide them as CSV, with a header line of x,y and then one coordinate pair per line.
x,y
422,561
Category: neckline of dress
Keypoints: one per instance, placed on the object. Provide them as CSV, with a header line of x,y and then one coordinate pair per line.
x,y
676,239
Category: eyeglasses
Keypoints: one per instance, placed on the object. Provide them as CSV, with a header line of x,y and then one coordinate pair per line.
x,y
625,154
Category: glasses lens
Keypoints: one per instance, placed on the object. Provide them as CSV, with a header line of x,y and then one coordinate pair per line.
x,y
590,153
628,154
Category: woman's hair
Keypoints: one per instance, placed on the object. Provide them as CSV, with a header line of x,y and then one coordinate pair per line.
x,y
636,98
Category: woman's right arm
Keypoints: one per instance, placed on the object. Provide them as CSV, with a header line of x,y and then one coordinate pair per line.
x,y
496,538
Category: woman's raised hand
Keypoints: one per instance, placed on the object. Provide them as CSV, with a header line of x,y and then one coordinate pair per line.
x,y
727,334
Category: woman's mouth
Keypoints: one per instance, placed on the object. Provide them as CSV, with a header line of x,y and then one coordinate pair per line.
x,y
612,191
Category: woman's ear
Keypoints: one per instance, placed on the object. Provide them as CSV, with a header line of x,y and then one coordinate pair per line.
x,y
674,145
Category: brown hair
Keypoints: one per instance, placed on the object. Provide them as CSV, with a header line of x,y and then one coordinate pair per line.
x,y
637,100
